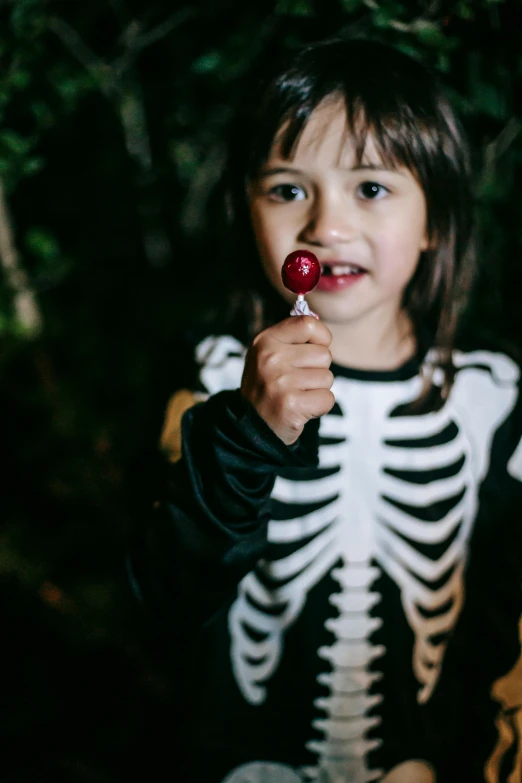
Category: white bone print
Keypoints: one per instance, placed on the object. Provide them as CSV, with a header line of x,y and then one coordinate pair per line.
x,y
263,772
413,771
372,519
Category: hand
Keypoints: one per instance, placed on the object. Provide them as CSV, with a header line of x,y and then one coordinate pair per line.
x,y
287,375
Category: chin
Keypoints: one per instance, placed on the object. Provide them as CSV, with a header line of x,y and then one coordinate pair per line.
x,y
334,312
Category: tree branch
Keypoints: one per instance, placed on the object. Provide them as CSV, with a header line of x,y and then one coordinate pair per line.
x,y
496,148
165,27
26,308
100,71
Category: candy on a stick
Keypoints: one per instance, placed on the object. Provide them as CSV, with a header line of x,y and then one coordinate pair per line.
x,y
301,272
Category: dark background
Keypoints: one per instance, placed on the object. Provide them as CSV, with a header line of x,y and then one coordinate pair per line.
x,y
114,116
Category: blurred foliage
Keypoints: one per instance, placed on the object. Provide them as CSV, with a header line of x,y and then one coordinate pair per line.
x,y
114,116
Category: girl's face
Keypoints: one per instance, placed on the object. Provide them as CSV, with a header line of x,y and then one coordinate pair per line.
x,y
365,223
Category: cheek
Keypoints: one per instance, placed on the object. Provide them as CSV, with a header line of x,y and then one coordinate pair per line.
x,y
399,253
265,232
272,239
267,248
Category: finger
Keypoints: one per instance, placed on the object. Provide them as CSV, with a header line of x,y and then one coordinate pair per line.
x,y
302,329
310,355
310,378
316,402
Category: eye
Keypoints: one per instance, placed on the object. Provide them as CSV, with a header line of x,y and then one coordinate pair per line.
x,y
372,190
287,193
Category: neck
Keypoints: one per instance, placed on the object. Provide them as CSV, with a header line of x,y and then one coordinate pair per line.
x,y
375,343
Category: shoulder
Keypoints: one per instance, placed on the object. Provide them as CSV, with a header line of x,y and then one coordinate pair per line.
x,y
217,362
206,363
486,392
486,382
479,354
220,359
491,355
501,367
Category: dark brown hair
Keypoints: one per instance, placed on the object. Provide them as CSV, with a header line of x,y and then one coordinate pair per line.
x,y
401,104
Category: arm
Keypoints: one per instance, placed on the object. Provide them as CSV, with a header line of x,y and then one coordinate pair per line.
x,y
209,527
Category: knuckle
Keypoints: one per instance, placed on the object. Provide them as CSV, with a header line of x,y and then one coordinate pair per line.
x,y
280,384
259,339
327,334
292,404
308,324
267,359
294,424
325,356
271,358
303,326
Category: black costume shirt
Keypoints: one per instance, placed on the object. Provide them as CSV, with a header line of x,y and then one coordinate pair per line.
x,y
350,605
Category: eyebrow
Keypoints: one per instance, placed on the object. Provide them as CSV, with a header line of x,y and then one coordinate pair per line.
x,y
290,170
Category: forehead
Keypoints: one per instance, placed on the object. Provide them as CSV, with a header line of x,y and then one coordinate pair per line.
x,y
327,138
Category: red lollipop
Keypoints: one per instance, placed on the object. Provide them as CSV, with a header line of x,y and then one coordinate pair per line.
x,y
301,272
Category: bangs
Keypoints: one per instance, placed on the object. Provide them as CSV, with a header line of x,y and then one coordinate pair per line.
x,y
393,137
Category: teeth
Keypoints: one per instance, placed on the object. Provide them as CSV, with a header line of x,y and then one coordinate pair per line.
x,y
345,269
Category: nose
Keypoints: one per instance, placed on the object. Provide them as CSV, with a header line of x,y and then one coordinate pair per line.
x,y
330,221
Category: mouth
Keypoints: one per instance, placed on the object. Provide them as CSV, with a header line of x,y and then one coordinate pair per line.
x,y
340,268
337,275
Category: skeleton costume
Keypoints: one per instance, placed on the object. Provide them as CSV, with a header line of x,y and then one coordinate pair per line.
x,y
350,605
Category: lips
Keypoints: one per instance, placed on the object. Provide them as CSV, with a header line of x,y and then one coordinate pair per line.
x,y
338,275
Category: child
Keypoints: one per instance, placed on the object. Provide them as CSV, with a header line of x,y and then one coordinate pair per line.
x,y
336,548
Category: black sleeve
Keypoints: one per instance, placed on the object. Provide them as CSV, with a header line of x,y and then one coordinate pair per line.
x,y
210,525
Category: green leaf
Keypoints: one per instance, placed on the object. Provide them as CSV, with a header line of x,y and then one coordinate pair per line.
x,y
186,159
20,78
491,101
352,5
15,142
443,62
32,166
42,243
207,63
42,114
300,8
381,19
465,10
410,48
28,19
428,32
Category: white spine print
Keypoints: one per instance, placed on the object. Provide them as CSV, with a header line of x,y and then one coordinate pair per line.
x,y
343,751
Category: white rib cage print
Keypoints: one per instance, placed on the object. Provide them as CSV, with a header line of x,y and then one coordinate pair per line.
x,y
401,498
377,513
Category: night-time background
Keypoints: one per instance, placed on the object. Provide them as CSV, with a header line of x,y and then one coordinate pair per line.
x,y
114,116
